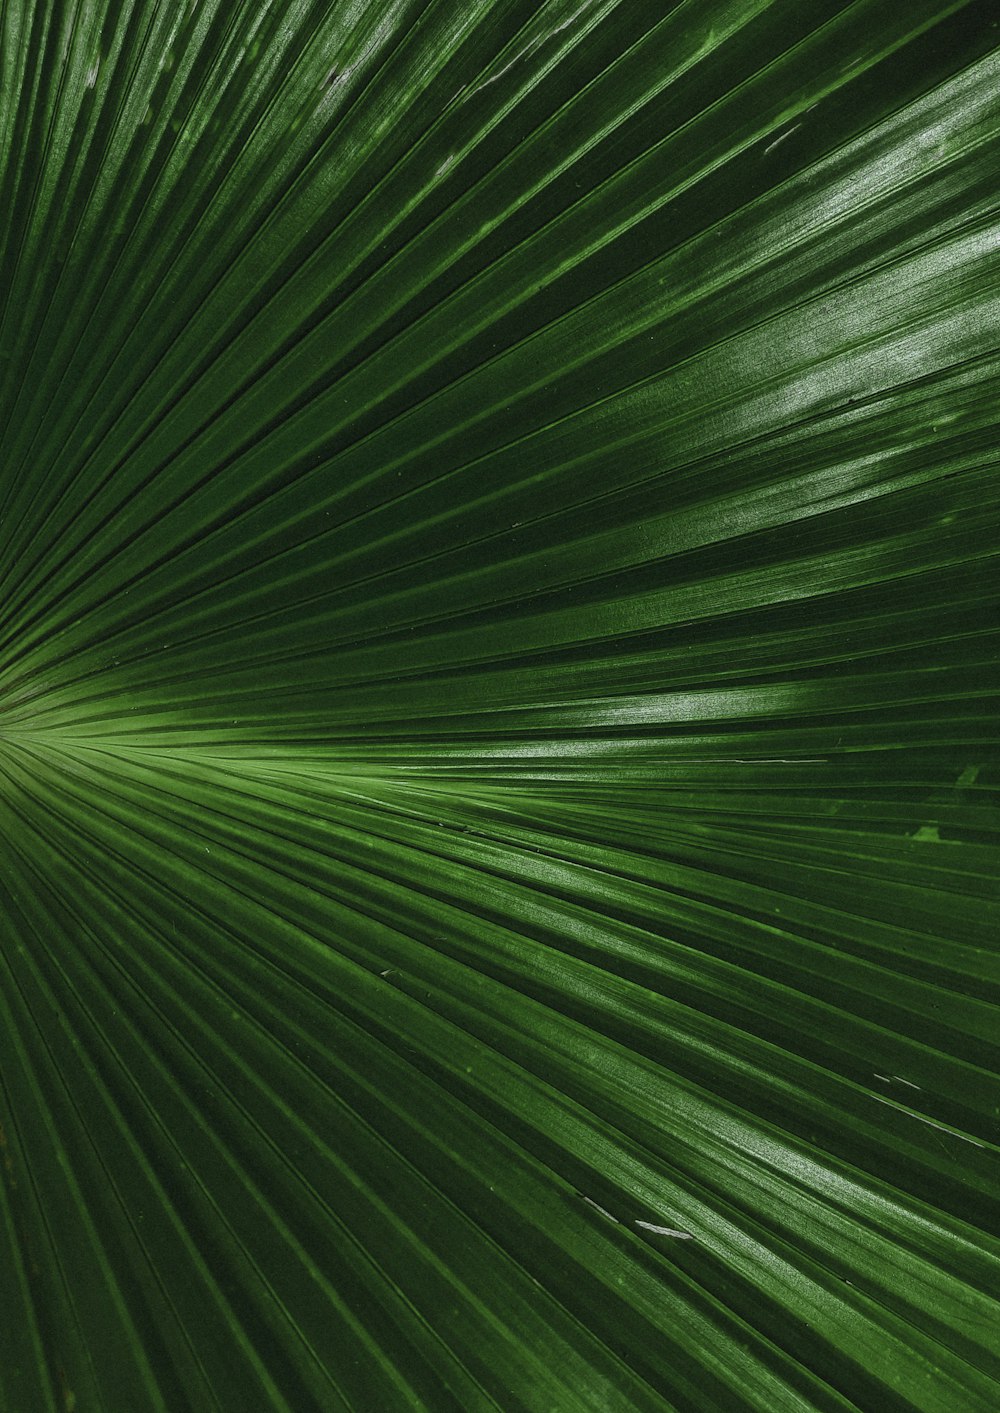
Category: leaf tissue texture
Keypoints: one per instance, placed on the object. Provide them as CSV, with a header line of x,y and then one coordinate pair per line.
x,y
498,706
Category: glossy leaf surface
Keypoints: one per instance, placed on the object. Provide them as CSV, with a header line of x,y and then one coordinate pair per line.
x,y
498,682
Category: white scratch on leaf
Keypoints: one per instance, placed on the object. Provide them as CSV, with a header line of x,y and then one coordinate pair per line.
x,y
666,1231
598,1208
787,133
922,1118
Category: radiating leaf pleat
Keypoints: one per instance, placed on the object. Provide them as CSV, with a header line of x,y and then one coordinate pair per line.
x,y
498,679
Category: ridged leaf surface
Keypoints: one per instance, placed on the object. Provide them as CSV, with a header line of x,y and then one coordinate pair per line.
x,y
498,690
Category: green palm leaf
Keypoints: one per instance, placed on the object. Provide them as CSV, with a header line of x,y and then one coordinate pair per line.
x,y
497,733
